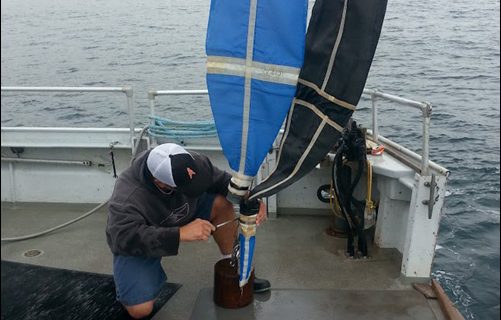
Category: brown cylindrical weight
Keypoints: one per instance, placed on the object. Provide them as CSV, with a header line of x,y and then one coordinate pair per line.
x,y
227,292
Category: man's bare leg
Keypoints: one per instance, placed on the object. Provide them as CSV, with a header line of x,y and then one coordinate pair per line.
x,y
222,211
141,310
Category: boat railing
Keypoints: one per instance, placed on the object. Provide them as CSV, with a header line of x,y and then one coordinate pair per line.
x,y
152,94
127,90
424,107
374,96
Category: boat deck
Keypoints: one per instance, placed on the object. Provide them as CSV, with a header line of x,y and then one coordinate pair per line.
x,y
307,268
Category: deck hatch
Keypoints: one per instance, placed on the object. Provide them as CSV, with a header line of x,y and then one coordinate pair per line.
x,y
32,253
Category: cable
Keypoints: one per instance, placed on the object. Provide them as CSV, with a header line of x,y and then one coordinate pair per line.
x,y
34,235
41,233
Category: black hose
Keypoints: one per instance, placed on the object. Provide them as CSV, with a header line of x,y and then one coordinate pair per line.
x,y
362,242
355,222
347,204
338,158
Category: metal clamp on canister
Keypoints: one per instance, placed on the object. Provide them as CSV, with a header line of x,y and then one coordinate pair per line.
x,y
248,216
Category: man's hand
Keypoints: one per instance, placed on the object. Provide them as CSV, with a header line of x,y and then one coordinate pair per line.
x,y
262,214
196,230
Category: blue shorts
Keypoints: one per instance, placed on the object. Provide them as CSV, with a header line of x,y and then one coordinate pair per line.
x,y
139,279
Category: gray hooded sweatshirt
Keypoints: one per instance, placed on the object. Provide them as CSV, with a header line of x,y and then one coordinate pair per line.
x,y
143,221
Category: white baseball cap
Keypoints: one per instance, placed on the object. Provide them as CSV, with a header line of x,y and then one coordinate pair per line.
x,y
173,165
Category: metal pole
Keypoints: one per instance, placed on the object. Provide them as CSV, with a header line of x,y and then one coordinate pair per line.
x,y
403,101
180,92
130,105
63,89
425,165
151,100
375,130
86,163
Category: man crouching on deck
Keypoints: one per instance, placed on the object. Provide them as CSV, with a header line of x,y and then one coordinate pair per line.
x,y
168,195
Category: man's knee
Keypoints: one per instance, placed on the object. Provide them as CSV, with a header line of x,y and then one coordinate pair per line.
x,y
222,206
142,310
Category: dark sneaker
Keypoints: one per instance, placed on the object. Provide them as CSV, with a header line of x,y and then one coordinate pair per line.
x,y
261,285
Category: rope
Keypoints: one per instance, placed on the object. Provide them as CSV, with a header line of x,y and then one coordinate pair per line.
x,y
85,215
38,234
334,202
369,211
161,127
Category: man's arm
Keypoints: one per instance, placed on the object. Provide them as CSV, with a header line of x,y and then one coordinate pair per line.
x,y
197,230
128,234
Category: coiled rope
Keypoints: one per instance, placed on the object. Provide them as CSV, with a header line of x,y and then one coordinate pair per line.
x,y
179,130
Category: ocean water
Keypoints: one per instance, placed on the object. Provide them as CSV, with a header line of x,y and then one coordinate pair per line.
x,y
446,52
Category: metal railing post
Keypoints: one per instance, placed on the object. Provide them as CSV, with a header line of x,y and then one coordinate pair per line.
x,y
375,130
151,101
129,92
425,158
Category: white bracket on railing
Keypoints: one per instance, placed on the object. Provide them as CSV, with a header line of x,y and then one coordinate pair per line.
x,y
432,199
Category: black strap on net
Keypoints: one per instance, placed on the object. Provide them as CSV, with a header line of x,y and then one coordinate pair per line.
x,y
351,148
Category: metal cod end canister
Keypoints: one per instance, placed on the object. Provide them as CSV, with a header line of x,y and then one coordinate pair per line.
x,y
227,292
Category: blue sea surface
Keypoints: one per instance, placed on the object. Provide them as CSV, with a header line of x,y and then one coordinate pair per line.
x,y
446,52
